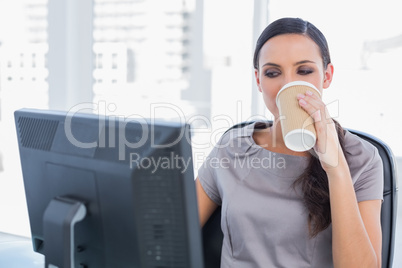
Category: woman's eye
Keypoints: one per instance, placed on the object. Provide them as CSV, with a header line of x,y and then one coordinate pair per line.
x,y
305,71
271,74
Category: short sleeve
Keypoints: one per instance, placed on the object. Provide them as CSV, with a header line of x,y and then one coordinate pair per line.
x,y
370,184
208,178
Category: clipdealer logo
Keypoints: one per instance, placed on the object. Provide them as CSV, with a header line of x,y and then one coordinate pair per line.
x,y
118,129
272,161
171,162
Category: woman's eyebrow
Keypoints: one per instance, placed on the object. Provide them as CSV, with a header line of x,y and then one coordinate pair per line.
x,y
271,64
297,63
303,62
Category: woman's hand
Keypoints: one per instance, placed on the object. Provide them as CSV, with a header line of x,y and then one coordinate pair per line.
x,y
327,147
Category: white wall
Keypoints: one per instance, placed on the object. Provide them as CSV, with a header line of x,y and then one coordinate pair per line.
x,y
365,99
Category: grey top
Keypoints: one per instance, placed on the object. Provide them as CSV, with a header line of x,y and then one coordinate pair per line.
x,y
264,220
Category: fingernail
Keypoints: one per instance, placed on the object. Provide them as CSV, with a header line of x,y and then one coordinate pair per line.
x,y
302,102
308,92
300,96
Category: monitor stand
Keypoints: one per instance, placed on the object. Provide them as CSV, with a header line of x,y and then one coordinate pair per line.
x,y
58,230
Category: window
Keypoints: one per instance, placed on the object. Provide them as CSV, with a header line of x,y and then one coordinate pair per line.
x,y
189,59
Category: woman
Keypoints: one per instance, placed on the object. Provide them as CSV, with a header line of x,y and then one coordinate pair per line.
x,y
282,208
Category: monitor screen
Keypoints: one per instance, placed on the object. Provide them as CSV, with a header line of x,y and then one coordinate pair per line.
x,y
107,191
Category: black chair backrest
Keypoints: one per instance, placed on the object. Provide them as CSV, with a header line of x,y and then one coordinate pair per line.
x,y
213,236
389,206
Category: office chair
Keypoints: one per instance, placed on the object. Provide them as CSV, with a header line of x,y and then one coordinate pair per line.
x,y
213,236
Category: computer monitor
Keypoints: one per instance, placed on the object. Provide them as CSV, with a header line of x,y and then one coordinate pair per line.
x,y
106,191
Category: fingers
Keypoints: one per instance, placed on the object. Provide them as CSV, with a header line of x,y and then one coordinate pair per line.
x,y
327,139
314,106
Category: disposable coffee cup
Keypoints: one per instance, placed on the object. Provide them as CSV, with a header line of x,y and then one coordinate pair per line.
x,y
297,125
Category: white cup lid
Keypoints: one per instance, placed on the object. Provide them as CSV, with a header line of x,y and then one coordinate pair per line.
x,y
300,140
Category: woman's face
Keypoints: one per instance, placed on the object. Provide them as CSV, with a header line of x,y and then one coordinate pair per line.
x,y
286,58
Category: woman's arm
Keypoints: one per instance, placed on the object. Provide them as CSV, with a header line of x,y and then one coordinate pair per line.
x,y
356,232
371,215
205,205
356,229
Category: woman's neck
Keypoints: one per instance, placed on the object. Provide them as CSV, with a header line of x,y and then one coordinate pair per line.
x,y
271,139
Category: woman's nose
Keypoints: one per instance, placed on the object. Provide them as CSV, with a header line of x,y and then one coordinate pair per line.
x,y
287,79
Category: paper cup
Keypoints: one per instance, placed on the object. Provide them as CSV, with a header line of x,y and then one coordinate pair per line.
x,y
297,125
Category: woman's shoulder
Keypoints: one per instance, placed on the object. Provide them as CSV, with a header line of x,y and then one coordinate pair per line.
x,y
363,157
357,147
239,139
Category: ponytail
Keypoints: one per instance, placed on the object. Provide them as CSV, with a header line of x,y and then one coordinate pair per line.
x,y
314,186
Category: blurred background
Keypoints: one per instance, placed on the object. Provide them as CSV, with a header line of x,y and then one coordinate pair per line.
x,y
184,59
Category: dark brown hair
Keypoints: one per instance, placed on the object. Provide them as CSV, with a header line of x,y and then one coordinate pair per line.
x,y
293,26
314,186
314,180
